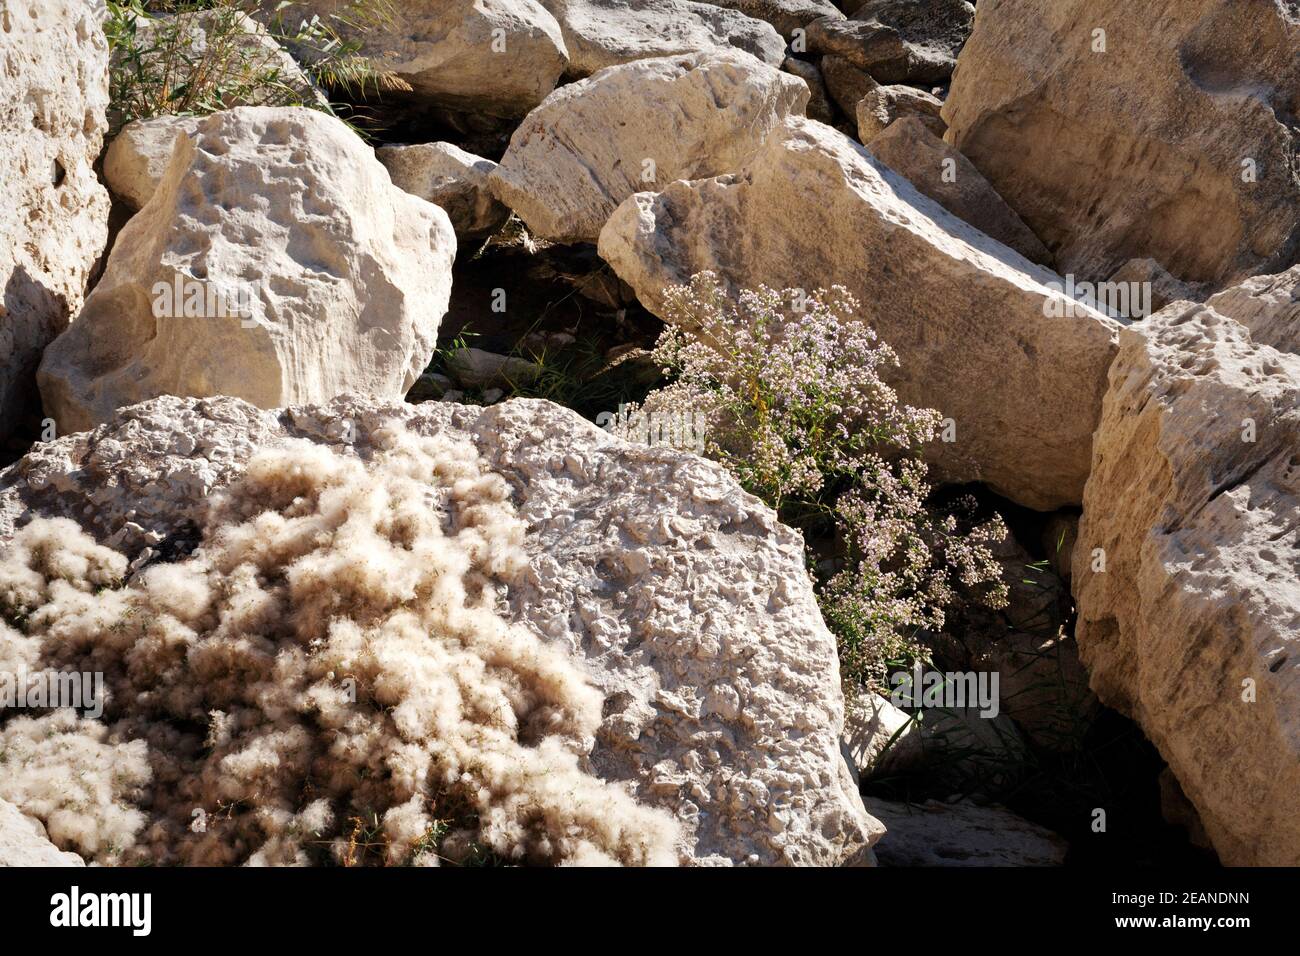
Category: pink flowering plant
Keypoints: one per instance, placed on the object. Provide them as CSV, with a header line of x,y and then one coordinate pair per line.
x,y
791,385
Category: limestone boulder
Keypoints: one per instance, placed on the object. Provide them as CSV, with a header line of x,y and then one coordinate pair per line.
x,y
601,33
846,84
685,598
1267,305
881,106
137,159
786,15
910,147
447,176
1187,568
981,332
54,218
1123,130
569,165
496,57
961,834
23,842
898,41
276,262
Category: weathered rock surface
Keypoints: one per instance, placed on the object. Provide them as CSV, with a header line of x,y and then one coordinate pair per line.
x,y
684,595
447,176
786,15
910,147
601,33
1193,626
880,107
1147,149
137,159
499,57
54,218
966,314
569,165
898,41
961,834
276,262
1267,305
23,842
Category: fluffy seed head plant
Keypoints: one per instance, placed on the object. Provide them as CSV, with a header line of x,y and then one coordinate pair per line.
x,y
326,678
792,386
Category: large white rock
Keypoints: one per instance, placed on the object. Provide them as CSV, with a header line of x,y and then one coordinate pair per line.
x,y
601,33
1187,569
310,272
447,176
967,316
1178,142
23,842
638,126
686,598
54,217
498,57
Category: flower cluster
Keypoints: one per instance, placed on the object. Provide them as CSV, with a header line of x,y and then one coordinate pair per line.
x,y
793,387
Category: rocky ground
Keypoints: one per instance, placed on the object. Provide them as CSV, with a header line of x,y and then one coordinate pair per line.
x,y
397,316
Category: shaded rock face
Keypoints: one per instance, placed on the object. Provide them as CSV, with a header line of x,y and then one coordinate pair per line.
x,y
276,262
819,106
898,41
786,15
684,597
23,842
497,57
1177,143
601,33
910,147
447,176
961,834
846,83
54,218
967,316
1042,686
1187,569
568,166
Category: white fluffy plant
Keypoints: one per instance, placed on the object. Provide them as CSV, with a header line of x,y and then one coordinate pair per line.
x,y
326,678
